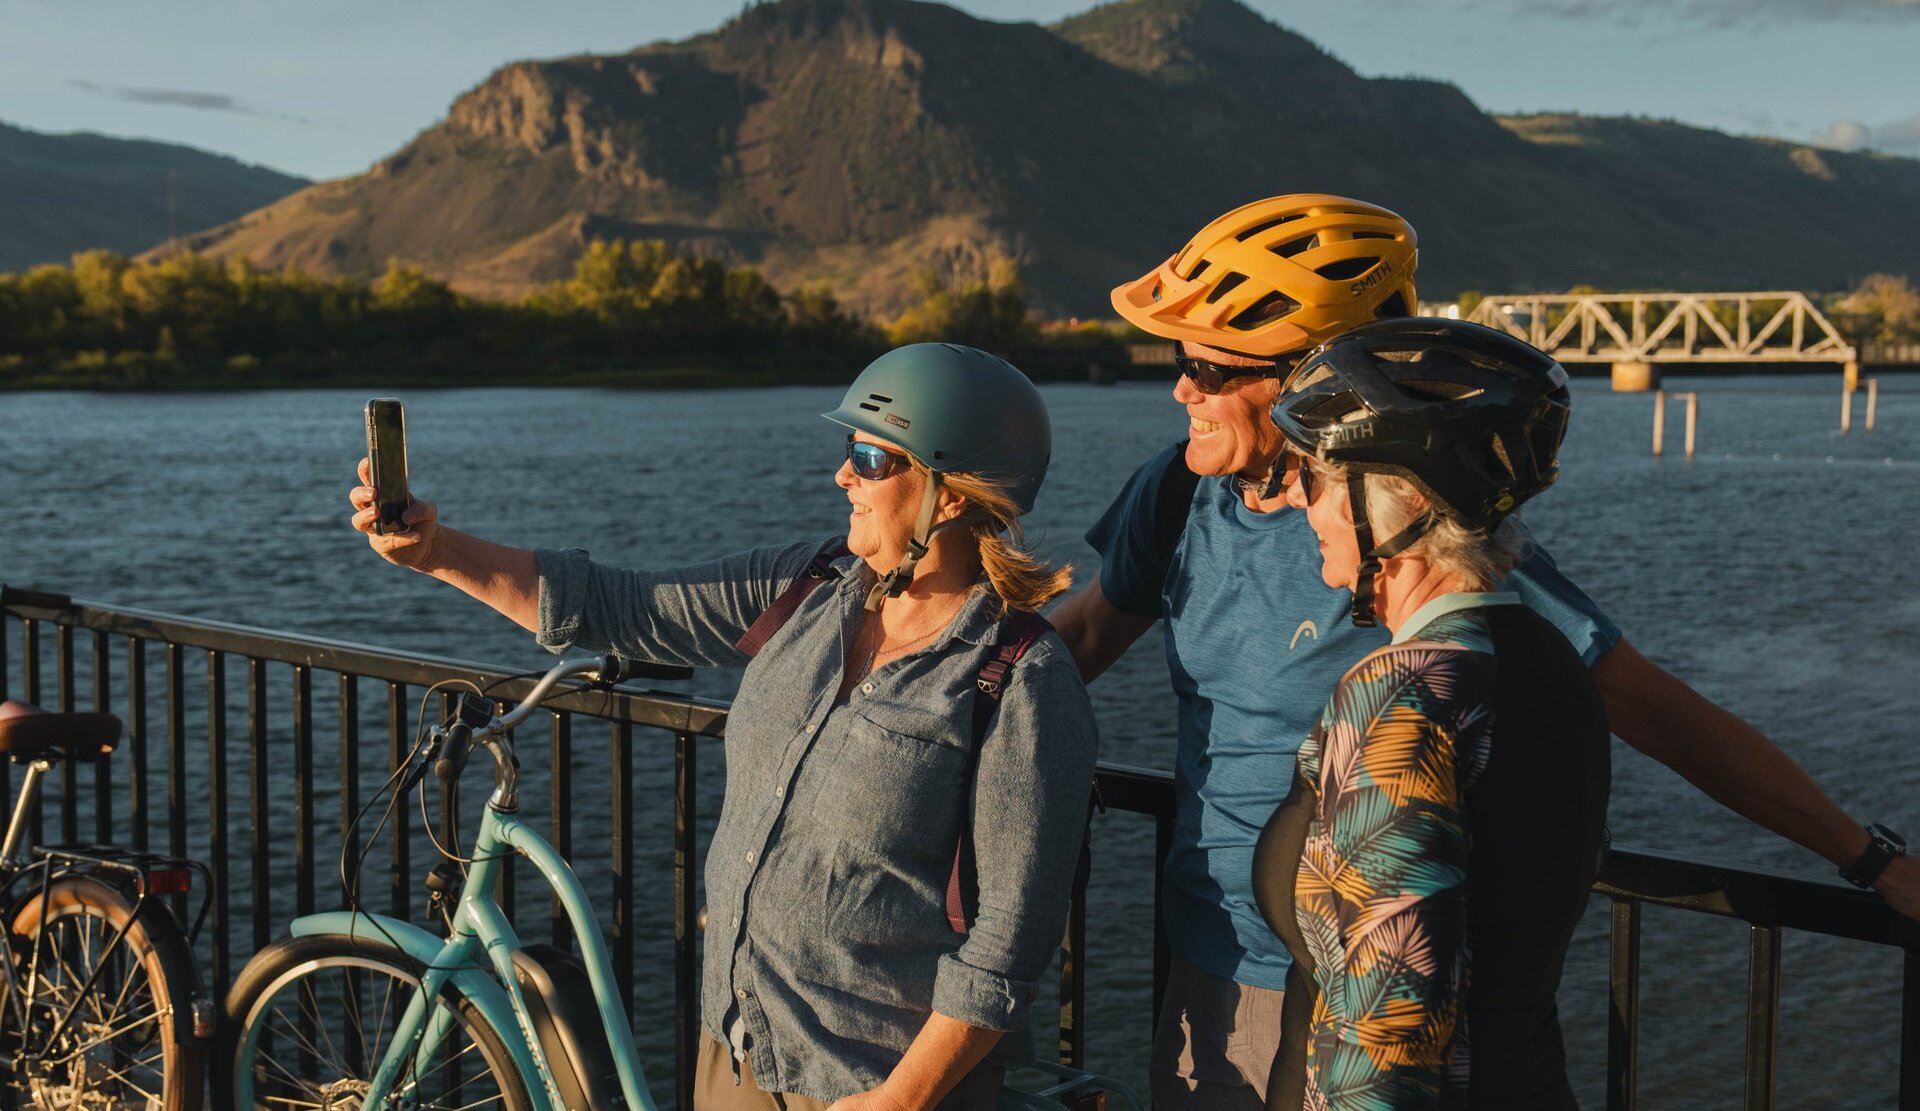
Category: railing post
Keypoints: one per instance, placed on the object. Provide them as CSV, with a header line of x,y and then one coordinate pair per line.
x,y
137,741
1910,1031
217,834
1763,1016
686,1003
1623,1011
303,817
349,772
1162,951
69,764
30,690
103,764
622,861
259,802
176,754
399,893
6,778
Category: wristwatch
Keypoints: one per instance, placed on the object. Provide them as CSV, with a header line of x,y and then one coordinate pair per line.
x,y
1882,846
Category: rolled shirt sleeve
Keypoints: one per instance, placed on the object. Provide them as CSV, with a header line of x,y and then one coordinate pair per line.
x,y
686,615
1030,797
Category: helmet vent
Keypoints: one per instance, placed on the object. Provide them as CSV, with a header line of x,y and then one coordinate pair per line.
x,y
1371,235
869,407
1269,226
1395,305
1271,307
1293,247
1432,389
1226,284
1346,269
881,398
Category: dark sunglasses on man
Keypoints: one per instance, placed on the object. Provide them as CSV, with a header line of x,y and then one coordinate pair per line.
x,y
1210,377
873,462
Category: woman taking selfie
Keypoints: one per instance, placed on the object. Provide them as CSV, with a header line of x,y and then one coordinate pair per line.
x,y
908,758
1445,822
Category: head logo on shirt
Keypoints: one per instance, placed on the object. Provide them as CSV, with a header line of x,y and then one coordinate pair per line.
x,y
1307,629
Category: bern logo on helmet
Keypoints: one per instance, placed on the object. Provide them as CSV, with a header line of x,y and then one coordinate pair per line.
x,y
1373,279
900,421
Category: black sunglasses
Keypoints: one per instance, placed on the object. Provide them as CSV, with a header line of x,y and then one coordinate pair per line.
x,y
873,462
1305,473
1210,377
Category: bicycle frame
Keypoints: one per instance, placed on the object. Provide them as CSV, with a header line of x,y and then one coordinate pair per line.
x,y
476,959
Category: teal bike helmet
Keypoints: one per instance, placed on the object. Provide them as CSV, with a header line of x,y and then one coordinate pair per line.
x,y
952,409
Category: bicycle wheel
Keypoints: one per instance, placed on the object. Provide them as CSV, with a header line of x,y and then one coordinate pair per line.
x,y
129,1043
310,1019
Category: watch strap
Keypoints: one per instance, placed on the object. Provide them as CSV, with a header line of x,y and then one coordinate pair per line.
x,y
1882,846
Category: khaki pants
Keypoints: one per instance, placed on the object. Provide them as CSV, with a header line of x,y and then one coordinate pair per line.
x,y
714,1089
1214,1043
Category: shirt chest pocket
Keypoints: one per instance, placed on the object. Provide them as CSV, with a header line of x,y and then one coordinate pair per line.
x,y
899,782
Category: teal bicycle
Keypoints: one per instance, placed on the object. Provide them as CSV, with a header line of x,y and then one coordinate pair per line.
x,y
356,1011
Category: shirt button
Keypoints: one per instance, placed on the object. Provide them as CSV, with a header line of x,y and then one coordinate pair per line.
x,y
749,856
779,792
734,921
866,688
809,729
742,993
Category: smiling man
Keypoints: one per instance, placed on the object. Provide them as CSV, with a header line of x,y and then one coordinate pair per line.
x,y
1201,537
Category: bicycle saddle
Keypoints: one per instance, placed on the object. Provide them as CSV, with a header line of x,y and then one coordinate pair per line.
x,y
29,733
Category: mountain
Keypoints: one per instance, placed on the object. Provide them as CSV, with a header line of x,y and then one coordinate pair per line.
x,y
855,141
67,193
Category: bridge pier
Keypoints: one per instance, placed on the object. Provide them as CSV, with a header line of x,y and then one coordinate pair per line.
x,y
1635,377
1850,375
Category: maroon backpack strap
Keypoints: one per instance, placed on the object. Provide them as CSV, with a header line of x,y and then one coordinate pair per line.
x,y
818,572
1018,631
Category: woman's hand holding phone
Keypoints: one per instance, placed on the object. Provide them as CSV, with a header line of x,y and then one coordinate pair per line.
x,y
416,547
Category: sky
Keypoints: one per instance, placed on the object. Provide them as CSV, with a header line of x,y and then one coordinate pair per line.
x,y
324,88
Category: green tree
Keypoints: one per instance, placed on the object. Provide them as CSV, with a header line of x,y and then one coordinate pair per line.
x,y
1883,308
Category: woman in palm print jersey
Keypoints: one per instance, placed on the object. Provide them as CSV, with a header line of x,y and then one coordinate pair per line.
x,y
1445,821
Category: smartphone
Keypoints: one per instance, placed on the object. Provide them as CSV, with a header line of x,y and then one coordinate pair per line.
x,y
387,453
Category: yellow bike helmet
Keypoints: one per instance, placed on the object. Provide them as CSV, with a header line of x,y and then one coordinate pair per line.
x,y
1279,276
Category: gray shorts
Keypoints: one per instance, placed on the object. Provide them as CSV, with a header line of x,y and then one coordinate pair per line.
x,y
1214,1043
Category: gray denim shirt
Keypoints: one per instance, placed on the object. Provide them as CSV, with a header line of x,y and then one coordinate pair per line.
x,y
827,875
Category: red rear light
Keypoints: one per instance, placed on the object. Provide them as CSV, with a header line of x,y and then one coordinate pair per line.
x,y
169,881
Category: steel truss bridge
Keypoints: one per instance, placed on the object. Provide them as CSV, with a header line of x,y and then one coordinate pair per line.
x,y
1666,328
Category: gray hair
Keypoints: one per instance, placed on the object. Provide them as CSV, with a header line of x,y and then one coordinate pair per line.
x,y
1453,547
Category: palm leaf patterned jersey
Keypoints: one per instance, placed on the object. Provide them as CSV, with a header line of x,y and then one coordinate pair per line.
x,y
1381,890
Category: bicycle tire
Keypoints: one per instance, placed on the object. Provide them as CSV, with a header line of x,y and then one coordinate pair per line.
x,y
306,965
122,1054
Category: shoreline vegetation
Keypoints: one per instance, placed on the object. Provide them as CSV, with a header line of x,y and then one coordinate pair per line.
x,y
633,315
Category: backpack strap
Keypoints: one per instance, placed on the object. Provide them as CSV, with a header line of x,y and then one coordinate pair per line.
x,y
775,616
1018,631
1173,504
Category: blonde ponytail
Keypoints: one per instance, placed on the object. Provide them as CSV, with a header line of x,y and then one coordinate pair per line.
x,y
1020,579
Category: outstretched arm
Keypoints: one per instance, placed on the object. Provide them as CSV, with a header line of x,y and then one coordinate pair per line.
x,y
1737,766
1097,632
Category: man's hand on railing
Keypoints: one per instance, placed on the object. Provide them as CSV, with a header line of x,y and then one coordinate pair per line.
x,y
1899,885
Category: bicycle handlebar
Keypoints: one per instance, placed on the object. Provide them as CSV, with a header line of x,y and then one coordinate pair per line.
x,y
608,669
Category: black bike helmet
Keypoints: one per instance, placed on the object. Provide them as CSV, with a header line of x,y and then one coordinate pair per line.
x,y
1471,416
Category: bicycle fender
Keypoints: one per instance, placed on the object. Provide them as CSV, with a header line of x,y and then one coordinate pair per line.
x,y
477,984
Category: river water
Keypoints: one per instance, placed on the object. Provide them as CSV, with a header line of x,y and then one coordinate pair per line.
x,y
1775,572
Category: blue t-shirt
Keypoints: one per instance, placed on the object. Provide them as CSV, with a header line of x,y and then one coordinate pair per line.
x,y
1256,642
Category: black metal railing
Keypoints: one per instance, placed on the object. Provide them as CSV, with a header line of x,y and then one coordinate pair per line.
x,y
1769,900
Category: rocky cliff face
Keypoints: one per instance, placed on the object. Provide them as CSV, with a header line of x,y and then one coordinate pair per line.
x,y
853,141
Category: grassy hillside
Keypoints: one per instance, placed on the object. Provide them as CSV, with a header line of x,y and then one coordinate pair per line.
x,y
70,193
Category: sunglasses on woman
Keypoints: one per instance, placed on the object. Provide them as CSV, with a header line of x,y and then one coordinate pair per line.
x,y
1210,377
1306,473
873,462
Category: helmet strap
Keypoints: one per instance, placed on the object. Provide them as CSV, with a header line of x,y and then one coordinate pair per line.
x,y
1372,556
895,582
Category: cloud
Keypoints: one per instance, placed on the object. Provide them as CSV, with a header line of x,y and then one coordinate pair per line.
x,y
183,98
1898,137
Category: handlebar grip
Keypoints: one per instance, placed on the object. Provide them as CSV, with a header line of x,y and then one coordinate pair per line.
x,y
454,749
618,669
